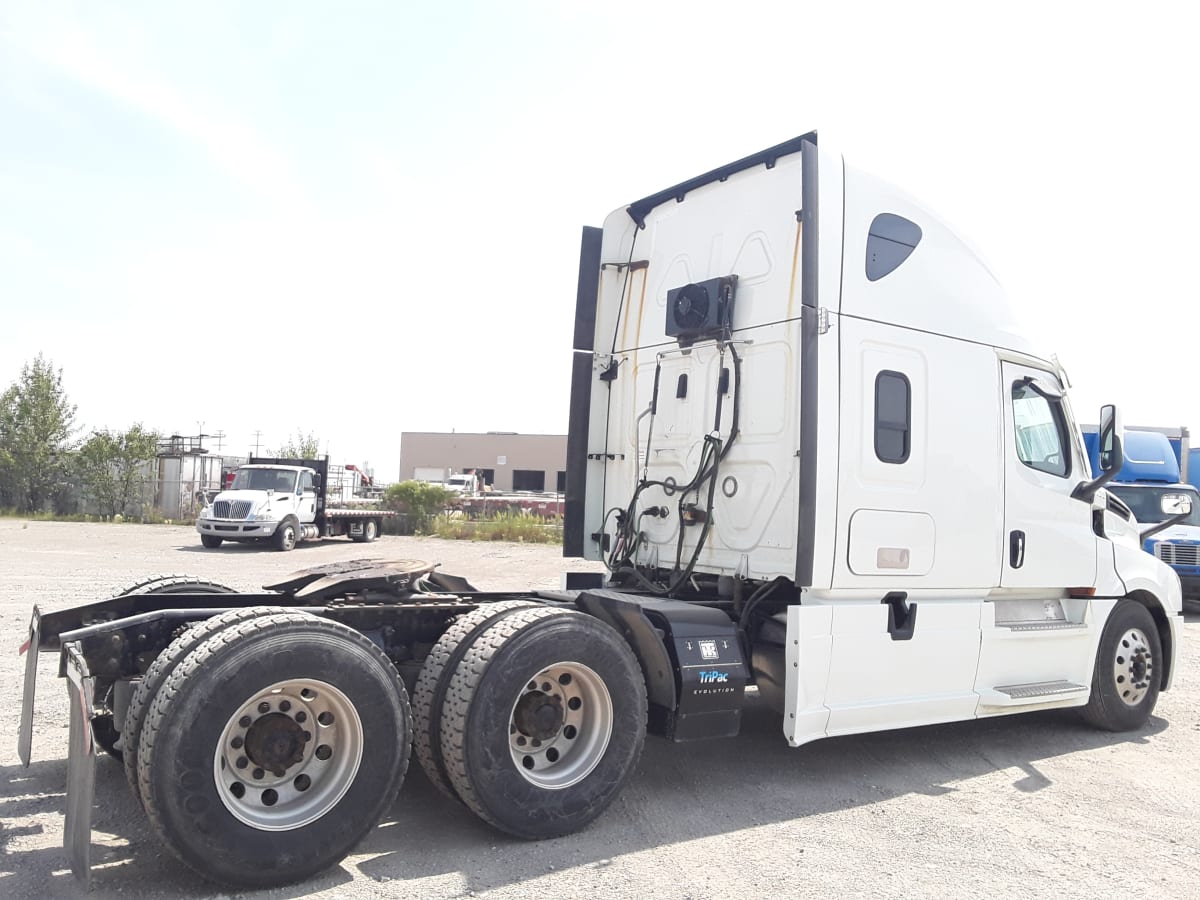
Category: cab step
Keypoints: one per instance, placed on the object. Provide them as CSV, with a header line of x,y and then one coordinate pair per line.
x,y
1034,692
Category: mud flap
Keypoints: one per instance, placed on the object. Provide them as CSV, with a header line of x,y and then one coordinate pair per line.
x,y
30,648
81,769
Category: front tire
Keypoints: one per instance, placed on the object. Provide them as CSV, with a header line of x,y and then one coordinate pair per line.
x,y
211,541
273,748
286,535
543,722
1126,677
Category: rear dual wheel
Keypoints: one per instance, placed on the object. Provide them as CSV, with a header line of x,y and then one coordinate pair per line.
x,y
543,721
272,748
162,668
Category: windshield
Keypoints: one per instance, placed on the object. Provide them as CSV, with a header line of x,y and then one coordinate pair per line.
x,y
1145,501
277,480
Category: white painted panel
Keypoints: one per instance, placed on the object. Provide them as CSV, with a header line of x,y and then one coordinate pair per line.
x,y
877,682
884,542
809,646
954,470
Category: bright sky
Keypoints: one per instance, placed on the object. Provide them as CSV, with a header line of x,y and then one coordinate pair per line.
x,y
358,219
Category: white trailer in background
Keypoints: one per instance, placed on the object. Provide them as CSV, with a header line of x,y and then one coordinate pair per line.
x,y
816,455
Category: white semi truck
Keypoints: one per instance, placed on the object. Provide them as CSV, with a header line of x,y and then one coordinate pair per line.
x,y
821,464
280,502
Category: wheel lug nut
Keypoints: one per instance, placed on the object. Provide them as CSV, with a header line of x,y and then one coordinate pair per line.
x,y
236,743
259,773
245,721
264,707
284,705
242,762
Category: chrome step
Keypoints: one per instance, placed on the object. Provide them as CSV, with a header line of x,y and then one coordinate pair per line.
x,y
1045,626
1034,692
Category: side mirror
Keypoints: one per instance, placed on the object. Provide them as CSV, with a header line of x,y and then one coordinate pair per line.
x,y
1175,504
1112,457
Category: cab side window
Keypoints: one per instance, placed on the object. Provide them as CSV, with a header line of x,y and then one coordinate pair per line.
x,y
306,482
1041,431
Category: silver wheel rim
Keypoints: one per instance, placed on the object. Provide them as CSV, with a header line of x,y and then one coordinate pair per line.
x,y
560,725
370,531
272,777
289,537
1133,667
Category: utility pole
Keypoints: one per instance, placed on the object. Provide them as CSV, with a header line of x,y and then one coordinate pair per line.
x,y
257,435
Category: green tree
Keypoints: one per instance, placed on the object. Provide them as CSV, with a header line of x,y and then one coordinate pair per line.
x,y
420,501
302,446
109,463
36,436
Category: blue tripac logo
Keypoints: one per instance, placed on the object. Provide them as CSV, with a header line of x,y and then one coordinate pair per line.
x,y
708,676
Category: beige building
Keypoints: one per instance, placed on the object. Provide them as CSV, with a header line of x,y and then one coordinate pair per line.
x,y
509,461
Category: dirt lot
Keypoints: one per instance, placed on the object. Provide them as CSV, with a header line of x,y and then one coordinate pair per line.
x,y
1036,805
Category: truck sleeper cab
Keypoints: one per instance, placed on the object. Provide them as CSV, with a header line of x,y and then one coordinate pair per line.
x,y
796,372
817,458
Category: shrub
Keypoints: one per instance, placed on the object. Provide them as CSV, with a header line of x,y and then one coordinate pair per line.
x,y
504,527
416,502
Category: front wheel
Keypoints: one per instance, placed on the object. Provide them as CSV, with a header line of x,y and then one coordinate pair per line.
x,y
286,534
211,541
1127,674
273,748
543,722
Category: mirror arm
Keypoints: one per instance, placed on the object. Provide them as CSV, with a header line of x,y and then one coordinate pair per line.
x,y
1086,490
1164,525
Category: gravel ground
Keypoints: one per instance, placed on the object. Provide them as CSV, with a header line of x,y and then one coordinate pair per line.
x,y
1037,804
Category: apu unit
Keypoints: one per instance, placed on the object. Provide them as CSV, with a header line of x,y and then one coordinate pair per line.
x,y
702,309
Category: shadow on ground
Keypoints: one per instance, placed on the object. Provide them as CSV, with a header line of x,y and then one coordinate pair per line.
x,y
679,793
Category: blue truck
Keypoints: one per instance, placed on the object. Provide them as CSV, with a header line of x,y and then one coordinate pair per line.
x,y
1158,462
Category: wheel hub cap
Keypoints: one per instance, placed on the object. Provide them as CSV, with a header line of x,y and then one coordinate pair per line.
x,y
275,742
538,715
1133,667
560,725
288,754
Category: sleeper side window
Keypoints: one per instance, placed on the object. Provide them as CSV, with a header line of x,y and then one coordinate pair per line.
x,y
1041,431
893,417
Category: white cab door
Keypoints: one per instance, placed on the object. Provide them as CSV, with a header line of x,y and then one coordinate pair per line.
x,y
1049,541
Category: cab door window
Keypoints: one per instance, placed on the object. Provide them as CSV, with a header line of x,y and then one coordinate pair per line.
x,y
1041,431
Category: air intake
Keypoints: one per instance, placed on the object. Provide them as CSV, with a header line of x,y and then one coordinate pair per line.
x,y
702,309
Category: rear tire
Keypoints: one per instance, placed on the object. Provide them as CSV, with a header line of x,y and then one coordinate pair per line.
x,y
228,779
211,541
543,722
1126,677
160,670
439,667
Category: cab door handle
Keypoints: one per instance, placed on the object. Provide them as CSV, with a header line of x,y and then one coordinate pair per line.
x,y
1016,549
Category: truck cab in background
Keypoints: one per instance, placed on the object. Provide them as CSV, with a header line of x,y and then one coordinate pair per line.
x,y
1158,470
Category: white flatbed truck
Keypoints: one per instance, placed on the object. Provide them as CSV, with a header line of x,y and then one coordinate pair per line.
x,y
281,502
818,459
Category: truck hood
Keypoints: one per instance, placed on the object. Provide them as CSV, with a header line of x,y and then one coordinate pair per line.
x,y
257,499
1179,533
